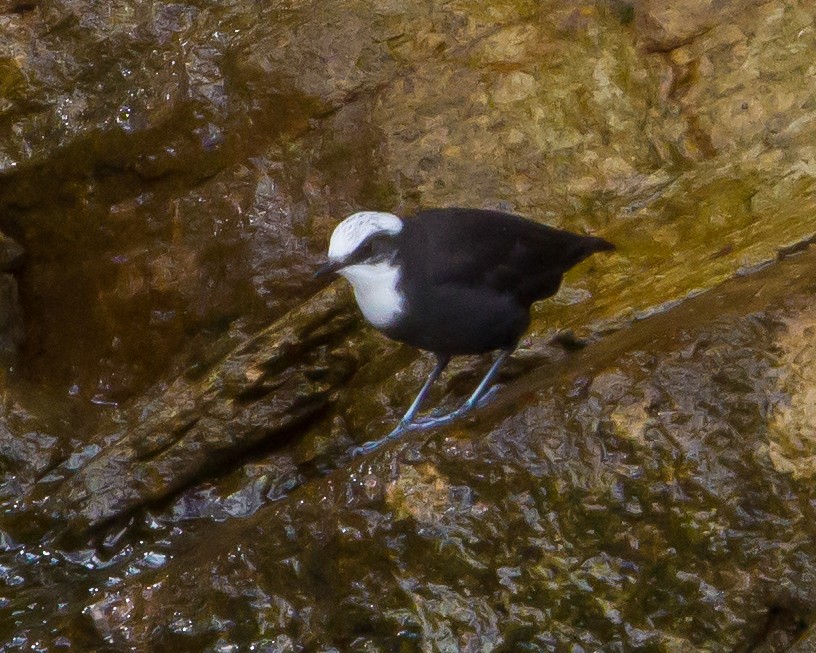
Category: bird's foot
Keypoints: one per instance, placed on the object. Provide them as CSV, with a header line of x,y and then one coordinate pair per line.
x,y
367,447
417,424
435,419
424,423
372,445
429,421
486,397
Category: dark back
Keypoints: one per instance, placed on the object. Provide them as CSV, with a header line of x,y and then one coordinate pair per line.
x,y
504,252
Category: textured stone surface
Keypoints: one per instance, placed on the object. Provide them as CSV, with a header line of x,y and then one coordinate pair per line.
x,y
626,499
264,391
11,318
173,171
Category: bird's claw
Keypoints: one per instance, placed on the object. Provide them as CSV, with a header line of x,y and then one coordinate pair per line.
x,y
487,396
421,423
367,447
418,424
425,423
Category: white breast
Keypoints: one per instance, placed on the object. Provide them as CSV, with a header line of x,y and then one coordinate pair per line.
x,y
376,292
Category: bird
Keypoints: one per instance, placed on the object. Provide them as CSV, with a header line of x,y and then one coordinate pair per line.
x,y
451,281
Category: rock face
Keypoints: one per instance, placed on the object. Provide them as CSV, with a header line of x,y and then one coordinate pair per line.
x,y
172,167
173,171
631,498
11,319
265,390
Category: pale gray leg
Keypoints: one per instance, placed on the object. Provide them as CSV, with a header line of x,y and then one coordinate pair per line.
x,y
407,421
480,393
408,418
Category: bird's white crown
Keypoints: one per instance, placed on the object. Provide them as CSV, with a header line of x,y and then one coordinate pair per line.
x,y
352,231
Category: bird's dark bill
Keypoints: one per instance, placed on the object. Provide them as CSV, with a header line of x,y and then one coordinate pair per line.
x,y
328,268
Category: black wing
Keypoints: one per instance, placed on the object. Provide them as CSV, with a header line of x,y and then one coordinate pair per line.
x,y
507,253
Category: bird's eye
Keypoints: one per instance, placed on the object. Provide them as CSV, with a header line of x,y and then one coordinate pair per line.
x,y
370,247
374,249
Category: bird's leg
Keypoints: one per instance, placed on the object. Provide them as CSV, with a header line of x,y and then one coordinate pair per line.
x,y
483,388
480,393
441,363
407,421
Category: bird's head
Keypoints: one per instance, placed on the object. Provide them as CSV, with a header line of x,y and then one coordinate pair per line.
x,y
362,239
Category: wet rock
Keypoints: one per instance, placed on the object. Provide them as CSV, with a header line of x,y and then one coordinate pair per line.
x,y
27,454
550,529
12,330
261,393
152,175
11,253
792,446
664,25
194,171
806,643
174,171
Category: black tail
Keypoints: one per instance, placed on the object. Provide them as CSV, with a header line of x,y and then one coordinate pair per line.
x,y
599,245
584,247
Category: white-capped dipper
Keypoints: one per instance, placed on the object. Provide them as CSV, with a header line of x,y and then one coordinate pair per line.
x,y
452,281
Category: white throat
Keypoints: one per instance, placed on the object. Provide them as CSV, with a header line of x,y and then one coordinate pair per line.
x,y
376,291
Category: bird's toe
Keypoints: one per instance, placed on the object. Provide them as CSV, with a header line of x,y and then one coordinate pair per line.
x,y
487,397
367,447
